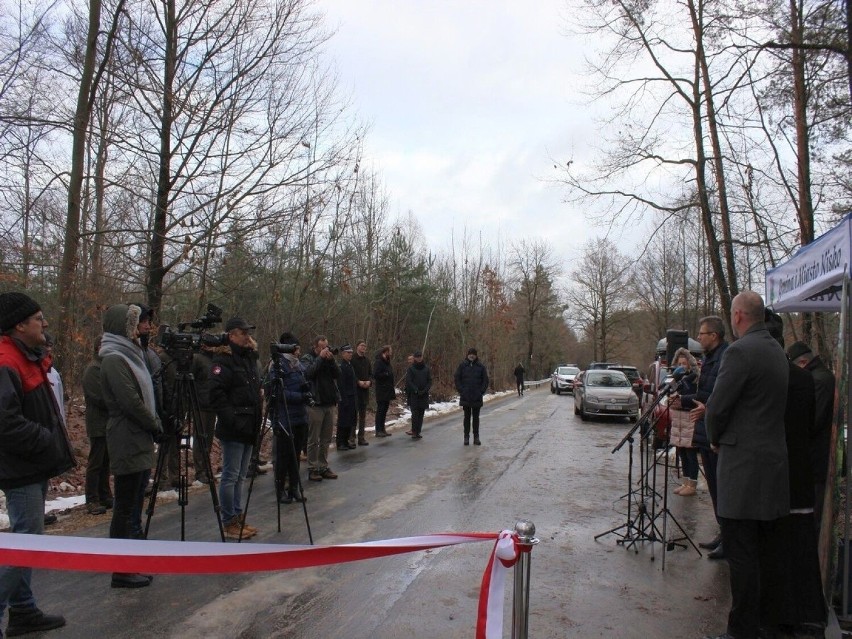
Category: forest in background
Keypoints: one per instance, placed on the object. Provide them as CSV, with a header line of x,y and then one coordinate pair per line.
x,y
184,153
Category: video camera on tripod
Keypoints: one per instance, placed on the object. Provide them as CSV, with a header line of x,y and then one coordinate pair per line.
x,y
189,337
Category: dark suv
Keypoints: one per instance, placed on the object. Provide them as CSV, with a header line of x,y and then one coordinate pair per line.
x,y
633,375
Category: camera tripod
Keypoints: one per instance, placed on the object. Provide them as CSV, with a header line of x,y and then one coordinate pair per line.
x,y
184,416
284,437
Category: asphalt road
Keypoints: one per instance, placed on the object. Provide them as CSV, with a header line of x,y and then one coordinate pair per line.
x,y
538,462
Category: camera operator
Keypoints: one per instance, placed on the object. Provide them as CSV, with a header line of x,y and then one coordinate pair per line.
x,y
363,374
235,395
286,384
133,423
323,373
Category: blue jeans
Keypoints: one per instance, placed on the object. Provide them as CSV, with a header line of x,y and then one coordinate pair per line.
x,y
235,462
26,515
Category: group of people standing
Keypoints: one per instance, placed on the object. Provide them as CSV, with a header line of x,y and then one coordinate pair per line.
x,y
130,392
762,420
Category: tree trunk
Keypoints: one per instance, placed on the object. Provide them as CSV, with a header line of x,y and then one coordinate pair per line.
x,y
70,252
156,264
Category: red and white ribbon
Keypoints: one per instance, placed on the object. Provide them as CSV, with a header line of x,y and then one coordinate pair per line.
x,y
192,557
489,623
54,552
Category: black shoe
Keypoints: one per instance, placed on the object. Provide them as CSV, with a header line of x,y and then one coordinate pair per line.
x,y
717,553
711,545
467,441
49,519
382,433
285,498
129,580
294,496
417,437
94,508
106,502
476,442
342,446
363,442
25,620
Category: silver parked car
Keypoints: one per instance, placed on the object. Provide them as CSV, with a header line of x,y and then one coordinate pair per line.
x,y
605,393
562,379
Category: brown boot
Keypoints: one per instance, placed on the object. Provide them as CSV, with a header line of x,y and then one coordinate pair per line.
x,y
688,488
233,531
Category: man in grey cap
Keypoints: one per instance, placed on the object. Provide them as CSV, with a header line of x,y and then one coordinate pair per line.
x,y
820,440
33,448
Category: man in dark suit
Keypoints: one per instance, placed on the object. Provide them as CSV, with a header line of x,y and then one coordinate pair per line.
x,y
745,422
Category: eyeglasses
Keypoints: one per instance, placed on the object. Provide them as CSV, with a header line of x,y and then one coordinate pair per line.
x,y
700,333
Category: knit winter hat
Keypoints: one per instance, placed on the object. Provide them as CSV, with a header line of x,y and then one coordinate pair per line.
x,y
15,308
472,351
797,349
288,338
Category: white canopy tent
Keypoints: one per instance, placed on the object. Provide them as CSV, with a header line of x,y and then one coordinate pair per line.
x,y
816,279
812,279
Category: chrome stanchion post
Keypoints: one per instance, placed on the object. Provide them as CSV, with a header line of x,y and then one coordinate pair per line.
x,y
525,530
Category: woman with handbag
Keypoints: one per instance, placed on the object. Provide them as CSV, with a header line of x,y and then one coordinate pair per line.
x,y
682,427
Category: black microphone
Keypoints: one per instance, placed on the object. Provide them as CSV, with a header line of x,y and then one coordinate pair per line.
x,y
679,376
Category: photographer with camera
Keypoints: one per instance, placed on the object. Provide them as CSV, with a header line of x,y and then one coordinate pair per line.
x,y
133,423
285,385
323,374
235,395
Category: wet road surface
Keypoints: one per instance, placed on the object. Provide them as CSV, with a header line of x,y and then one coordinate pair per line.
x,y
538,461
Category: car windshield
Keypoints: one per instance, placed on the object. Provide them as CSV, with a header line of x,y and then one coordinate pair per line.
x,y
631,373
567,370
614,379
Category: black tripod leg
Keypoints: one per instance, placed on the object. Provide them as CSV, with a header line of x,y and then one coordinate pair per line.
x,y
193,431
162,457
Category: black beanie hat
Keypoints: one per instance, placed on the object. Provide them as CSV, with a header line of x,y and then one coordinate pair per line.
x,y
287,338
472,351
15,308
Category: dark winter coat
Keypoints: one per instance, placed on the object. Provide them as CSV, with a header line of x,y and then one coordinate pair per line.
x,y
323,376
824,384
132,424
287,386
97,413
418,383
706,382
363,373
519,373
348,385
471,381
383,376
33,443
235,394
798,428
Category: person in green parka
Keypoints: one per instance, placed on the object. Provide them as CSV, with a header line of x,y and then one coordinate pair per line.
x,y
132,425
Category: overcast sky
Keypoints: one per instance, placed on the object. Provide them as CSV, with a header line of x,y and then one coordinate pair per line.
x,y
469,104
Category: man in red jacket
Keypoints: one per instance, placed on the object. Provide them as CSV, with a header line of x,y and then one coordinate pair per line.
x,y
33,448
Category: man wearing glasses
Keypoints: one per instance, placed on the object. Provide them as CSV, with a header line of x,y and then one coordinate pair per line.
x,y
33,447
711,336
